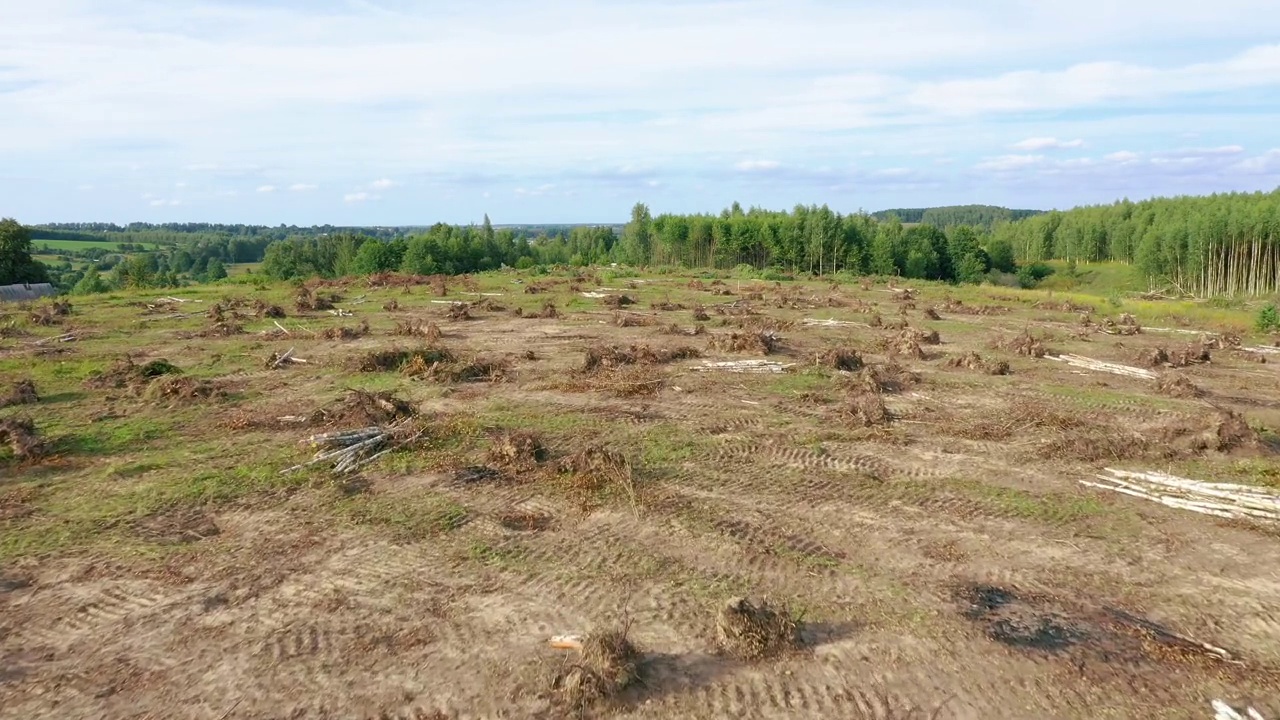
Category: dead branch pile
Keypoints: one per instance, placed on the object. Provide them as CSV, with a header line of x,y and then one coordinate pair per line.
x,y
1152,357
674,329
617,301
347,450
1209,498
723,291
932,313
957,307
607,664
974,361
22,393
630,319
183,389
393,360
1023,343
415,327
760,323
548,311
750,631
845,359
346,332
624,381
10,329
1175,385
125,373
282,359
481,368
391,305
613,356
517,450
51,313
312,298
696,284
864,409
489,305
363,408
1065,306
904,344
756,343
23,440
667,306
264,310
745,366
595,469
887,377
1126,324
700,314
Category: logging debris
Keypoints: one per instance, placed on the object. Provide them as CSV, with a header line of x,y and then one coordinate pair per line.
x,y
758,343
754,631
612,356
23,392
607,663
22,438
1227,500
974,361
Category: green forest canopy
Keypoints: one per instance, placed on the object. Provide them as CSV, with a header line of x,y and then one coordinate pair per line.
x,y
1228,243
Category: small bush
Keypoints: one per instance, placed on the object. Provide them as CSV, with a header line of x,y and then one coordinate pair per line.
x,y
1268,319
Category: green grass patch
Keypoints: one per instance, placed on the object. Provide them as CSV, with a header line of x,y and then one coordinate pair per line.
x,y
408,518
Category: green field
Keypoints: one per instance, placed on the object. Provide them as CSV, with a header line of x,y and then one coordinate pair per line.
x,y
38,245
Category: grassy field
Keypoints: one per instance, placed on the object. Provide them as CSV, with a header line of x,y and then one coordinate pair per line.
x,y
559,454
39,245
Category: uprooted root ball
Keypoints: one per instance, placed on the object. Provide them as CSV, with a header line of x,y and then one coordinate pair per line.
x,y
23,440
601,357
414,327
23,393
607,664
751,632
974,361
517,450
125,373
865,409
888,377
179,389
363,409
347,332
839,359
1023,344
756,343
393,360
1177,386
596,469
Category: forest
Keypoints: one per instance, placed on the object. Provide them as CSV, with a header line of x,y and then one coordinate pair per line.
x,y
1225,244
1212,245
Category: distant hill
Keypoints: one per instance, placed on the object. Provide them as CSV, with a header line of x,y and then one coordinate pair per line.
x,y
977,215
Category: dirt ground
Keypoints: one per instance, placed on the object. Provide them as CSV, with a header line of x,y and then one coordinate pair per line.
x,y
916,510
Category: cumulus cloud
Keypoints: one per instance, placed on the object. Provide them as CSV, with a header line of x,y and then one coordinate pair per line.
x,y
1121,156
1035,144
302,187
382,184
266,188
359,197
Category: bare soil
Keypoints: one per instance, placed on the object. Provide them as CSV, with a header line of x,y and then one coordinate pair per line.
x,y
917,525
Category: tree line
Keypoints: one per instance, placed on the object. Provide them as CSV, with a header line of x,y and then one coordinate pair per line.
x,y
1223,244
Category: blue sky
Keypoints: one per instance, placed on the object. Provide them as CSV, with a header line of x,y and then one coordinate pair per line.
x,y
399,112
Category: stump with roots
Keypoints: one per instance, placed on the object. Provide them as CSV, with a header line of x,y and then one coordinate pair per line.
x,y
750,632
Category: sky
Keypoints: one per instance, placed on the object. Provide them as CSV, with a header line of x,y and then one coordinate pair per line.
x,y
393,112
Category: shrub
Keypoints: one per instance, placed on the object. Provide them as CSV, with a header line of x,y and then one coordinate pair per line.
x,y
1268,319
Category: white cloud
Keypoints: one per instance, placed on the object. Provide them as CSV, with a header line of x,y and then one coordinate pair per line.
x,y
1005,163
302,187
179,185
1122,156
383,184
1267,163
359,197
1034,144
84,188
266,188
757,165
161,203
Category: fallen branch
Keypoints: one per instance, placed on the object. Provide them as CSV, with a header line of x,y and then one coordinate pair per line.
x,y
348,450
68,337
339,312
832,323
285,357
1263,349
1226,500
1102,366
745,366
282,328
1223,711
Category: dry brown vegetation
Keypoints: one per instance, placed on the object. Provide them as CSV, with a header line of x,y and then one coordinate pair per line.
x,y
754,631
23,392
415,327
755,343
974,361
612,356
